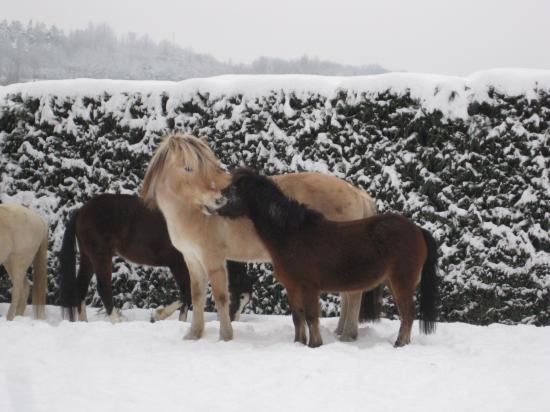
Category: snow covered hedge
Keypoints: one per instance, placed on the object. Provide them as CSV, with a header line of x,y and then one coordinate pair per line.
x,y
467,158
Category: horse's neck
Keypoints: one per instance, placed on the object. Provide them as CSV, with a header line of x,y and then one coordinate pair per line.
x,y
180,210
277,222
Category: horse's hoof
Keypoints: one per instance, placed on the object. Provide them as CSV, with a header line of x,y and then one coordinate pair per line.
x,y
192,335
399,344
348,338
314,344
152,318
226,338
303,340
183,316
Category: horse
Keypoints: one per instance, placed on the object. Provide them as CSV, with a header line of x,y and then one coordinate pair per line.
x,y
120,224
311,254
183,180
24,241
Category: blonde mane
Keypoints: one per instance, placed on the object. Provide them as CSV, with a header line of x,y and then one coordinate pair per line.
x,y
191,153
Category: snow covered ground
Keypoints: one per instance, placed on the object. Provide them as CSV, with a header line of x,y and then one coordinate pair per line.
x,y
139,366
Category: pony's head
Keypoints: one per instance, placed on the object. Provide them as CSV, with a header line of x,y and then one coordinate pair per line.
x,y
233,199
246,187
260,199
184,167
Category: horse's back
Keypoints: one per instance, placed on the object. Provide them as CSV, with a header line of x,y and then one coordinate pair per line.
x,y
335,198
126,226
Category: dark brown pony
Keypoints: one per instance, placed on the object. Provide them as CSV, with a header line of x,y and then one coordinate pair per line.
x,y
115,224
311,254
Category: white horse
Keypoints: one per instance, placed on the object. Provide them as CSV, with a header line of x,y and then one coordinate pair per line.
x,y
24,241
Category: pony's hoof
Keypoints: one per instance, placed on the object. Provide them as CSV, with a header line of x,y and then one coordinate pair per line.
x,y
314,344
192,335
226,338
183,316
157,314
303,340
400,344
348,338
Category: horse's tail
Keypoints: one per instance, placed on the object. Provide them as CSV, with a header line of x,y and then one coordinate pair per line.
x,y
371,305
40,278
429,287
67,270
371,301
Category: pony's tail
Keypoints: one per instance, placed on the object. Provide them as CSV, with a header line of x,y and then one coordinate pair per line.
x,y
40,279
429,287
371,305
67,269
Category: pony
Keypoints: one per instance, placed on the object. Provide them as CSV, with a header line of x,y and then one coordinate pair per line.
x,y
24,241
114,225
183,180
311,254
120,224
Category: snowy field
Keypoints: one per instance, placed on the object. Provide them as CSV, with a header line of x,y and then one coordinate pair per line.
x,y
139,366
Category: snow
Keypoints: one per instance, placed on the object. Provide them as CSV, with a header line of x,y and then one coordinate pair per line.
x,y
450,94
138,366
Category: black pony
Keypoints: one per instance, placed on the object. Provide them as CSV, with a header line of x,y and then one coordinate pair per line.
x,y
116,224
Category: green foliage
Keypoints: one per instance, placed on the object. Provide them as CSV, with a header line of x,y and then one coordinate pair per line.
x,y
480,184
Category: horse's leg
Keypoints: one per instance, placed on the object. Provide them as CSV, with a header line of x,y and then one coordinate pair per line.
x,y
17,273
198,297
343,313
181,275
102,266
179,270
403,296
240,288
22,304
350,331
313,309
295,299
220,291
85,273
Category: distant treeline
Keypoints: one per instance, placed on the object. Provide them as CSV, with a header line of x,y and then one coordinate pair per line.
x,y
37,52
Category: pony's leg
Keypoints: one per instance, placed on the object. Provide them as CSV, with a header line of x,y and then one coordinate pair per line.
x,y
165,312
295,299
85,273
405,304
220,291
17,273
350,330
103,269
181,275
22,304
343,313
240,288
198,297
313,309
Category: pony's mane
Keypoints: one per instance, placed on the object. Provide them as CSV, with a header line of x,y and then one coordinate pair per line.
x,y
190,152
285,213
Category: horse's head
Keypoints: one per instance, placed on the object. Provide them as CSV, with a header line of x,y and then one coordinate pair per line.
x,y
246,185
184,167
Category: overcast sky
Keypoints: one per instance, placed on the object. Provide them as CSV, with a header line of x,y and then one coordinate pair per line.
x,y
436,36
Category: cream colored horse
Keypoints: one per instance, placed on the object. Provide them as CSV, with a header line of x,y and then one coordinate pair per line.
x,y
24,241
184,178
